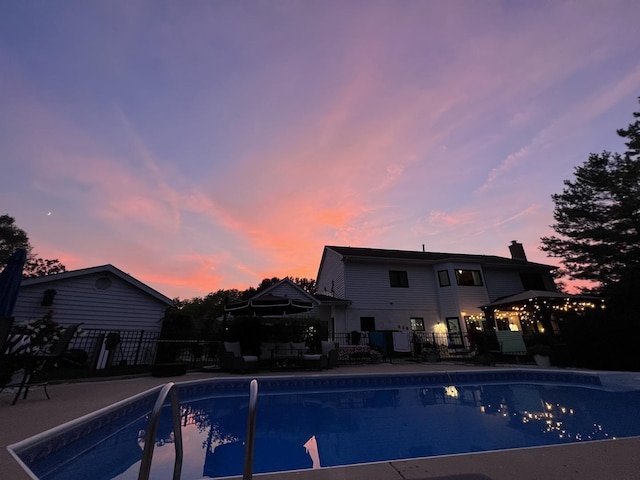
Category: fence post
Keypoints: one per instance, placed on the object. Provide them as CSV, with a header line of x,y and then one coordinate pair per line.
x,y
135,362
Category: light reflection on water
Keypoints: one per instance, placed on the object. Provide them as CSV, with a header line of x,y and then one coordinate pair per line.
x,y
308,430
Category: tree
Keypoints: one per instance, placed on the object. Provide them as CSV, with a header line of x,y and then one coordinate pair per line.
x,y
12,238
39,267
597,218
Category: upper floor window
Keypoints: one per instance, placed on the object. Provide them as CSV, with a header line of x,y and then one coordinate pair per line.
x,y
470,278
398,278
443,278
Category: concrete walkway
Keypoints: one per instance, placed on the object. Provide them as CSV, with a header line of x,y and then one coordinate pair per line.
x,y
613,459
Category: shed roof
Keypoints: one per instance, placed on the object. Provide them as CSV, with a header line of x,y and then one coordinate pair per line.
x,y
94,270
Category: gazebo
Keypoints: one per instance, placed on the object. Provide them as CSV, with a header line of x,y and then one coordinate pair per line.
x,y
536,312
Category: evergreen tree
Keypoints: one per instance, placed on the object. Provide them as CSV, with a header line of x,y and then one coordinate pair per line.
x,y
597,218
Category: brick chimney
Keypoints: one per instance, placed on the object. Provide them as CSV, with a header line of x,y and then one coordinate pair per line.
x,y
517,251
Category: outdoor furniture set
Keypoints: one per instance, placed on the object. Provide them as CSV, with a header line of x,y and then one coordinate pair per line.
x,y
279,355
30,363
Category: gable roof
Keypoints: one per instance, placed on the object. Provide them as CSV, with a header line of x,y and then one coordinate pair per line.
x,y
276,286
377,254
94,270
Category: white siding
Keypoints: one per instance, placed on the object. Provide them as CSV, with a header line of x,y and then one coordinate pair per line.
x,y
121,307
368,288
502,283
331,275
364,281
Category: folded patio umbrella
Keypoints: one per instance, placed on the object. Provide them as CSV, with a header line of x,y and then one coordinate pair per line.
x,y
10,280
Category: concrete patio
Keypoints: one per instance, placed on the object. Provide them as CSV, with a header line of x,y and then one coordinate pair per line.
x,y
612,459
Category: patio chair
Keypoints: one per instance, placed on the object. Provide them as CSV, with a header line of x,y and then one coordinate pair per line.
x,y
233,360
38,363
328,358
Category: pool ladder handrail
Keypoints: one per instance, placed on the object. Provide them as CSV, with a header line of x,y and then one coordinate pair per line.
x,y
251,431
152,427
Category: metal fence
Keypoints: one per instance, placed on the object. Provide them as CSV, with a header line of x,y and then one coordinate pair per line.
x,y
105,352
117,349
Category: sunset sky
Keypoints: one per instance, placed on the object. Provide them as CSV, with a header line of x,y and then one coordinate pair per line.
x,y
203,145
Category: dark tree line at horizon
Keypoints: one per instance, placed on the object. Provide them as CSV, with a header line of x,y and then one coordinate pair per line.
x,y
196,317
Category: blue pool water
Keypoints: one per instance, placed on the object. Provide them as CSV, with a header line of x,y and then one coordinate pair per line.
x,y
329,421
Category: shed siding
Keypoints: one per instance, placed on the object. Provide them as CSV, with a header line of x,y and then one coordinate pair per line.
x,y
121,307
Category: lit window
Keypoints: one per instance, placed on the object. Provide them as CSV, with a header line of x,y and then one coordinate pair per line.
x,y
469,278
417,324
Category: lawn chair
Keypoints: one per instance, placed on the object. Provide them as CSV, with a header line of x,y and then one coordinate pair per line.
x,y
38,363
511,345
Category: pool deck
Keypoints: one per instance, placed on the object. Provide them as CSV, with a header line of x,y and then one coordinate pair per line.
x,y
615,459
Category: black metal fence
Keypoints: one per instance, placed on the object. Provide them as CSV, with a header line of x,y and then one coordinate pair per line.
x,y
113,352
104,352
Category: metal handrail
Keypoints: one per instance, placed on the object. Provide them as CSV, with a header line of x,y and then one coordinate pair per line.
x,y
152,428
251,430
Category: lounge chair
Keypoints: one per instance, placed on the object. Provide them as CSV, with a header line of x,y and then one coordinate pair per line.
x,y
38,363
511,344
233,360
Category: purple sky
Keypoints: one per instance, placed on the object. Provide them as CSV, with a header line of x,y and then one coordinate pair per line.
x,y
210,144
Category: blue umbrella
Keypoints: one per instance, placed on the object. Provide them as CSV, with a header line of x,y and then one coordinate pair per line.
x,y
10,280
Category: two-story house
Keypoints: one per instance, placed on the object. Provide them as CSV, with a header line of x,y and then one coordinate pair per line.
x,y
421,291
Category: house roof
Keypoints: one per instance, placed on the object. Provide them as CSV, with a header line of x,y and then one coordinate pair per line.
x,y
279,284
97,270
376,254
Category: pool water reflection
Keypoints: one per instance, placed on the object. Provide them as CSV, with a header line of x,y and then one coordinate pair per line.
x,y
315,428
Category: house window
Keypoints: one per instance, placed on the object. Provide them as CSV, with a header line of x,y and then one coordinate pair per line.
x,y
469,278
367,324
443,277
417,324
398,278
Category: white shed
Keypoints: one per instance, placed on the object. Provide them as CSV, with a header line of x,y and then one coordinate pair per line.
x,y
103,298
121,317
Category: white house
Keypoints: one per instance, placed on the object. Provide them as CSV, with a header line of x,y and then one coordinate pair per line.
x,y
423,291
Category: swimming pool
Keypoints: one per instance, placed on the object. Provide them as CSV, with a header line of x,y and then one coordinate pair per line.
x,y
330,420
